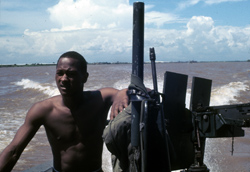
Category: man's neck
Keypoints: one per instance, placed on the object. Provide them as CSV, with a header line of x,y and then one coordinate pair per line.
x,y
73,102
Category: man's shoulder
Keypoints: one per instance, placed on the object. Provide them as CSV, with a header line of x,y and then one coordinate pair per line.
x,y
48,104
102,91
40,110
107,92
92,94
94,98
51,100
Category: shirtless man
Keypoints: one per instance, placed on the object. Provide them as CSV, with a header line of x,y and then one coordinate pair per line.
x,y
74,121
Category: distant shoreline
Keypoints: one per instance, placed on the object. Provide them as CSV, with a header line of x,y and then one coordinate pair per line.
x,y
53,64
26,65
98,63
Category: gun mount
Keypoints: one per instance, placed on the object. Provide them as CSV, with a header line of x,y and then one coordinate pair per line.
x,y
189,128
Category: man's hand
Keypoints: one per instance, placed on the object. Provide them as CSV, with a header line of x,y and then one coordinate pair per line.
x,y
120,102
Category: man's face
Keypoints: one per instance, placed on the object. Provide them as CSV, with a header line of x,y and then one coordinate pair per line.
x,y
69,78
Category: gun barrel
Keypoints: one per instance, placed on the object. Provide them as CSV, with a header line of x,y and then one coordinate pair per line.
x,y
138,40
137,66
154,75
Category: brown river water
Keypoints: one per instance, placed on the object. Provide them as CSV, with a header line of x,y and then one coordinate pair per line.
x,y
20,87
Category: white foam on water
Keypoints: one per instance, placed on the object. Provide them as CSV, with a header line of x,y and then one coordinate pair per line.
x,y
121,84
223,95
46,89
6,136
106,159
227,94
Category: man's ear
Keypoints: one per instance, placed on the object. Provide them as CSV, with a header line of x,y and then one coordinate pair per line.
x,y
85,77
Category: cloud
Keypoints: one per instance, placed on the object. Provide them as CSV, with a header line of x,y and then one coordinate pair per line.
x,y
201,40
103,32
200,24
87,14
185,4
159,19
210,2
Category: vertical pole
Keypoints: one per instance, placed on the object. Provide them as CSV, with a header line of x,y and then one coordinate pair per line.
x,y
137,66
138,39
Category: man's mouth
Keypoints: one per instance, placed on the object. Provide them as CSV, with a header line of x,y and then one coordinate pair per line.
x,y
64,87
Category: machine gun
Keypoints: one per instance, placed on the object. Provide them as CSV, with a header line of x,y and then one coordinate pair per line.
x,y
189,128
223,121
165,135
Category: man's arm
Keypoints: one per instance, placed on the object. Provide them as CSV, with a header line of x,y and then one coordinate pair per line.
x,y
25,133
118,98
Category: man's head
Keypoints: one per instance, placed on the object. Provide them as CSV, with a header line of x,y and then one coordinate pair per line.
x,y
71,73
77,56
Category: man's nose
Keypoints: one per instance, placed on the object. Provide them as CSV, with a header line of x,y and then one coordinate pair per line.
x,y
64,77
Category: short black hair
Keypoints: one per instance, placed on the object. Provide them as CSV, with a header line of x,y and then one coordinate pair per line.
x,y
77,56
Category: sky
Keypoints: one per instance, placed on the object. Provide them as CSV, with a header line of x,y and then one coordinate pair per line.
x,y
39,31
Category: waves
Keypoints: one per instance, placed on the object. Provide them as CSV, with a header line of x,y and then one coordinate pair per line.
x,y
222,95
229,93
47,89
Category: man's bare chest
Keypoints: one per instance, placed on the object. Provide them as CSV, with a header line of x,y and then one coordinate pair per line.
x,y
73,126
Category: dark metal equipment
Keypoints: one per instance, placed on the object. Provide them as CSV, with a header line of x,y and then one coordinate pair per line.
x,y
189,128
148,131
137,66
137,74
165,135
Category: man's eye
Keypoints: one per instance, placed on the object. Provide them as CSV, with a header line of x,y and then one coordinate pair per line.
x,y
71,74
59,73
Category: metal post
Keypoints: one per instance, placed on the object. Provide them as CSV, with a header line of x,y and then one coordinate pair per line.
x,y
137,65
138,39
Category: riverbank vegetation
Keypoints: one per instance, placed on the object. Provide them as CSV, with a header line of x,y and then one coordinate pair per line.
x,y
98,63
